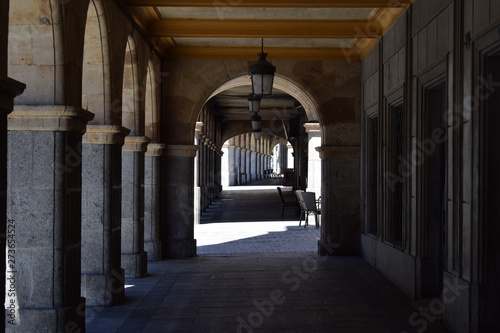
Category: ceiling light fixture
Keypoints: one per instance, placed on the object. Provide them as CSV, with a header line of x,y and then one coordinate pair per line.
x,y
262,74
256,126
254,103
256,122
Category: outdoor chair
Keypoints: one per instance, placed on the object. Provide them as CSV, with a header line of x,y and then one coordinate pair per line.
x,y
308,205
287,201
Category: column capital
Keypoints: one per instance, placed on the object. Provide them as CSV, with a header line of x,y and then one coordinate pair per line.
x,y
312,127
9,88
136,143
199,126
326,152
105,134
60,118
181,150
155,149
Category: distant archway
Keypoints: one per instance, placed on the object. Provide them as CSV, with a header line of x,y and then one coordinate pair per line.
x,y
282,83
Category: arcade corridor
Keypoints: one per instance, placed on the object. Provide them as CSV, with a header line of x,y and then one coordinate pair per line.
x,y
229,286
121,121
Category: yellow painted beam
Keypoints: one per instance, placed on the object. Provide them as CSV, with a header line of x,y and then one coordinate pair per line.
x,y
271,4
265,28
250,53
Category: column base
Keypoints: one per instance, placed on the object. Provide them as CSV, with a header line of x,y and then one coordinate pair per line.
x,y
135,264
337,249
67,319
177,249
153,249
103,289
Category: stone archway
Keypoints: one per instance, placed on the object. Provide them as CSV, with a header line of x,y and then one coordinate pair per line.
x,y
309,103
329,87
312,178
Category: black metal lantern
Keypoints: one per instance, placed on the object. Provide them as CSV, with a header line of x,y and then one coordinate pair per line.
x,y
262,74
257,134
254,103
256,122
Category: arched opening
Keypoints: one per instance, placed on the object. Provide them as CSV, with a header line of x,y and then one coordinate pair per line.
x,y
152,107
131,114
96,83
237,180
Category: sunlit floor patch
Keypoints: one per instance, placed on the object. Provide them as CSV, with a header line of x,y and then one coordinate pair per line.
x,y
255,237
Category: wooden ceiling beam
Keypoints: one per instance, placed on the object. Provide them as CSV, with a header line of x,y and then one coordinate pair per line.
x,y
265,28
271,4
250,53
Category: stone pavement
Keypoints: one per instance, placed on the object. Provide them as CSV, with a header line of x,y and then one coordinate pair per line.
x,y
273,293
262,275
247,219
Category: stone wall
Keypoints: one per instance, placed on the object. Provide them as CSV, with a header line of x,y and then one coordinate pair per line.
x,y
427,52
333,85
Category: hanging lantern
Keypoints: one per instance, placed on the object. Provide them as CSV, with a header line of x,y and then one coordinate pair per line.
x,y
257,134
254,103
256,122
262,74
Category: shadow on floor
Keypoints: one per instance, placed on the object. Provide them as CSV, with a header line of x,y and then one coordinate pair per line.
x,y
249,204
262,293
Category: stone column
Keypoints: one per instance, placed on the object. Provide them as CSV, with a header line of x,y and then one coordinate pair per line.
x,y
314,161
243,159
134,259
231,165
254,165
248,156
197,173
102,274
244,162
262,164
257,165
205,192
218,167
177,223
211,177
238,164
340,209
202,172
152,243
9,89
44,215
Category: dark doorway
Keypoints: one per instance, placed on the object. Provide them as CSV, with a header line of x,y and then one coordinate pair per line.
x,y
490,306
433,148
